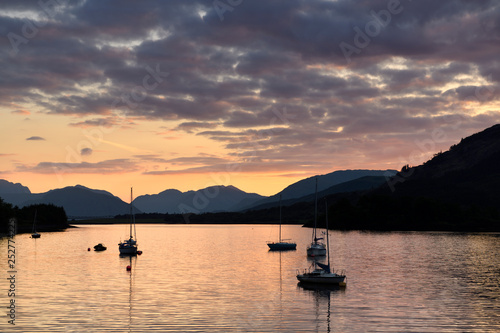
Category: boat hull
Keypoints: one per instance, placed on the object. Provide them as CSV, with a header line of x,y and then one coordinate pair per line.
x,y
131,251
128,247
331,279
316,250
100,247
282,246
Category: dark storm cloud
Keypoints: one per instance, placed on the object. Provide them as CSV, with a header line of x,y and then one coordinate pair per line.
x,y
406,64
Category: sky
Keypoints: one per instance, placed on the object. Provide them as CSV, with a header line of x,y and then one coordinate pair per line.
x,y
256,94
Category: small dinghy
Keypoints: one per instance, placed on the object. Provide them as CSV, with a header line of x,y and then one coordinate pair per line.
x,y
100,247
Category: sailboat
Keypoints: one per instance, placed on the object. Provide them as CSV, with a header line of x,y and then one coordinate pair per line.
x,y
129,247
34,233
322,274
281,245
316,248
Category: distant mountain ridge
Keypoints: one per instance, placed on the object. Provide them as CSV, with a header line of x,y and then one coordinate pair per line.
x,y
360,184
307,186
82,202
79,201
14,188
210,199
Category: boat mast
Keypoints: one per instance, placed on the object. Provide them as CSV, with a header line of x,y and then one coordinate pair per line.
x,y
34,223
315,210
280,219
327,233
131,213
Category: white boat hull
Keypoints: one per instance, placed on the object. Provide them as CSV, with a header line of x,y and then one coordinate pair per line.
x,y
316,250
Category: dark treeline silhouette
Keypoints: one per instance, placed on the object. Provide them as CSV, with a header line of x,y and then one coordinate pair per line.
x,y
385,213
48,217
261,216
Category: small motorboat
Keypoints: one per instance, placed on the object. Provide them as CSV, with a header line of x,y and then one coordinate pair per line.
x,y
100,247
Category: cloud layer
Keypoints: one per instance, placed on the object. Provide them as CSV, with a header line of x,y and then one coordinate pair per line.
x,y
290,85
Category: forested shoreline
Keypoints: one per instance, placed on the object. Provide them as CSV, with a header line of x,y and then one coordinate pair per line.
x,y
48,217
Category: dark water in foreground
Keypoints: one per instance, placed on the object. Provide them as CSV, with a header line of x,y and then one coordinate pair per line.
x,y
215,278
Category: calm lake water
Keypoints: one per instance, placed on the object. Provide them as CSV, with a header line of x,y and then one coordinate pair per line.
x,y
214,278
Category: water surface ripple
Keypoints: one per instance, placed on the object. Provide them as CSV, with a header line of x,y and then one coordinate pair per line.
x,y
222,278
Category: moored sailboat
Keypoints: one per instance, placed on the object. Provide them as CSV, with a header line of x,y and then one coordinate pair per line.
x,y
322,274
34,233
129,246
316,248
281,245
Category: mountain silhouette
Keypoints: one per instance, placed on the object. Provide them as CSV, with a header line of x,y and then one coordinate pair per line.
x,y
210,199
79,202
467,174
307,186
456,190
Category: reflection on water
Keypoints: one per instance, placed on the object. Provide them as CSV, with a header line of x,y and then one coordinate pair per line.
x,y
215,278
322,299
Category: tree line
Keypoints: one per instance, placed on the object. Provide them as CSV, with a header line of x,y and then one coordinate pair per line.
x,y
48,217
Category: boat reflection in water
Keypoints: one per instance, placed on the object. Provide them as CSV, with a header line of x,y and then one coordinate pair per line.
x,y
131,271
322,293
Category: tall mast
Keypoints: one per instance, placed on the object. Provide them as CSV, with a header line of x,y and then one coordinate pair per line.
x,y
34,223
315,208
131,213
280,219
327,233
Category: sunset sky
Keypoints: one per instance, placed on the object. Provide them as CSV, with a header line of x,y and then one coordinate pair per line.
x,y
255,94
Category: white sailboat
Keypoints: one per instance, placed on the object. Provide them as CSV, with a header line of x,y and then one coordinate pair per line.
x,y
322,274
35,234
317,248
281,245
129,247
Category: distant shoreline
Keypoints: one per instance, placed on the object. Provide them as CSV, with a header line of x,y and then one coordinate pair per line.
x,y
157,221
